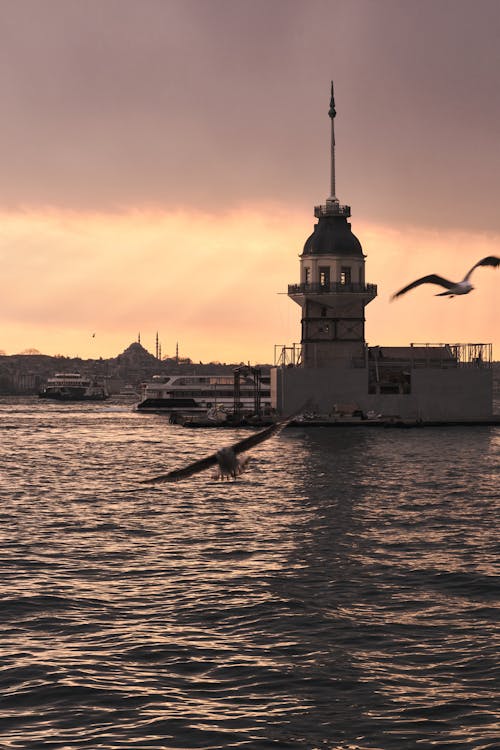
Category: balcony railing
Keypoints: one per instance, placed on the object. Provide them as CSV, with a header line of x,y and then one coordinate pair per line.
x,y
332,208
334,286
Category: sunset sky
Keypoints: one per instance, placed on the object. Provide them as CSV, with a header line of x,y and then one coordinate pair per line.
x,y
161,159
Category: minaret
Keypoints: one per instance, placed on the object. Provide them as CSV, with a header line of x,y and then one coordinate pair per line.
x,y
332,291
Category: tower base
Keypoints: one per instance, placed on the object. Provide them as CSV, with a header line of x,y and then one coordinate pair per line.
x,y
429,393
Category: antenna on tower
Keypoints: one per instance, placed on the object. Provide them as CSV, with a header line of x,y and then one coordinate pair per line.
x,y
332,206
331,115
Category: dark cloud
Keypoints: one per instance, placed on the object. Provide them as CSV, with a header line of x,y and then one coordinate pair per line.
x,y
117,103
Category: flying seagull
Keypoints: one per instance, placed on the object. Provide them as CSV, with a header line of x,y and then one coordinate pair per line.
x,y
226,459
452,287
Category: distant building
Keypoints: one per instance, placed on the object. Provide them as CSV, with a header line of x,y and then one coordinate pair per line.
x,y
334,367
25,382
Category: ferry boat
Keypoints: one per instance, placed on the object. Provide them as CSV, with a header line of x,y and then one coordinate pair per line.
x,y
245,393
72,386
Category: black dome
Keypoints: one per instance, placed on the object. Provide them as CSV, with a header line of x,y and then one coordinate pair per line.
x,y
333,236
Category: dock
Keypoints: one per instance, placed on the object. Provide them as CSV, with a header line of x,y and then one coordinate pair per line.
x,y
390,423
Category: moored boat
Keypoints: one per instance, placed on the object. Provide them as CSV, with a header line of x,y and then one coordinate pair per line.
x,y
72,386
209,393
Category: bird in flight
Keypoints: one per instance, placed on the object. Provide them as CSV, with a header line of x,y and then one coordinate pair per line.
x,y
229,464
452,287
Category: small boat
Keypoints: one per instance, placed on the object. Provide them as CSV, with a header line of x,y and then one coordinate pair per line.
x,y
72,386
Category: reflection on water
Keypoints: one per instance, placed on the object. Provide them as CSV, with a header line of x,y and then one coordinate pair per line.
x,y
342,594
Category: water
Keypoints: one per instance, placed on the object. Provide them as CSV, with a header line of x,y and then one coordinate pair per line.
x,y
342,594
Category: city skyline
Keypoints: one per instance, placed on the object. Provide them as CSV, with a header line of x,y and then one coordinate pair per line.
x,y
162,161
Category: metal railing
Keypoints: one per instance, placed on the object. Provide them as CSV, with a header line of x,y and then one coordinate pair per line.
x,y
462,354
332,208
333,286
413,357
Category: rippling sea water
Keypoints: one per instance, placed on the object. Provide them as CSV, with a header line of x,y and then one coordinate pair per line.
x,y
343,593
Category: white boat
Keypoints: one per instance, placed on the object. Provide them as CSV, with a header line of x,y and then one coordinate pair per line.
x,y
246,392
72,386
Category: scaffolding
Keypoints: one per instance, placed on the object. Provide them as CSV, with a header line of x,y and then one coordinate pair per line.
x,y
477,355
256,374
287,356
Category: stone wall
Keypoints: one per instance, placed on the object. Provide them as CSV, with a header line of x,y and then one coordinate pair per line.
x,y
436,393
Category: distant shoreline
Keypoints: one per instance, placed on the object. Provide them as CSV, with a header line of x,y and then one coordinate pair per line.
x,y
24,374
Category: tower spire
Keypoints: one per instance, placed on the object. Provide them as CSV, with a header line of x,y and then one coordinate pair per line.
x,y
331,115
332,206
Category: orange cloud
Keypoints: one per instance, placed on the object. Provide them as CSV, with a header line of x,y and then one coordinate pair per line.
x,y
215,283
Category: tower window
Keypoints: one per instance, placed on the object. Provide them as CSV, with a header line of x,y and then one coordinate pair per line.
x,y
323,312
307,275
345,275
324,276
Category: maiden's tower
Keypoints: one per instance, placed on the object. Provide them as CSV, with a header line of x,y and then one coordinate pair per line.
x,y
334,368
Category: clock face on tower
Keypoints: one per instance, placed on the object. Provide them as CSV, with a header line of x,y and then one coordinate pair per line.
x,y
350,330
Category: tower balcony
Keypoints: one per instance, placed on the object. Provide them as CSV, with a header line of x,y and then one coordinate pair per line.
x,y
332,207
334,287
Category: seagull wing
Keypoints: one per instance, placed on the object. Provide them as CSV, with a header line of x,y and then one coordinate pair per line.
x,y
490,260
273,429
186,471
431,279
256,438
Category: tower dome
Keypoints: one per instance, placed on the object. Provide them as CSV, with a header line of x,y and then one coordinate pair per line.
x,y
333,236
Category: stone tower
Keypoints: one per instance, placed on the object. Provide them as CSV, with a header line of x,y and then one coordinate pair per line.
x,y
332,291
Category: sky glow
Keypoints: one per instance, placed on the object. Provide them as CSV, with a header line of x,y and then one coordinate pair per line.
x,y
161,162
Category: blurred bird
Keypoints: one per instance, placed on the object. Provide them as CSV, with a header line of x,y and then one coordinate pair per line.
x,y
452,287
226,459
